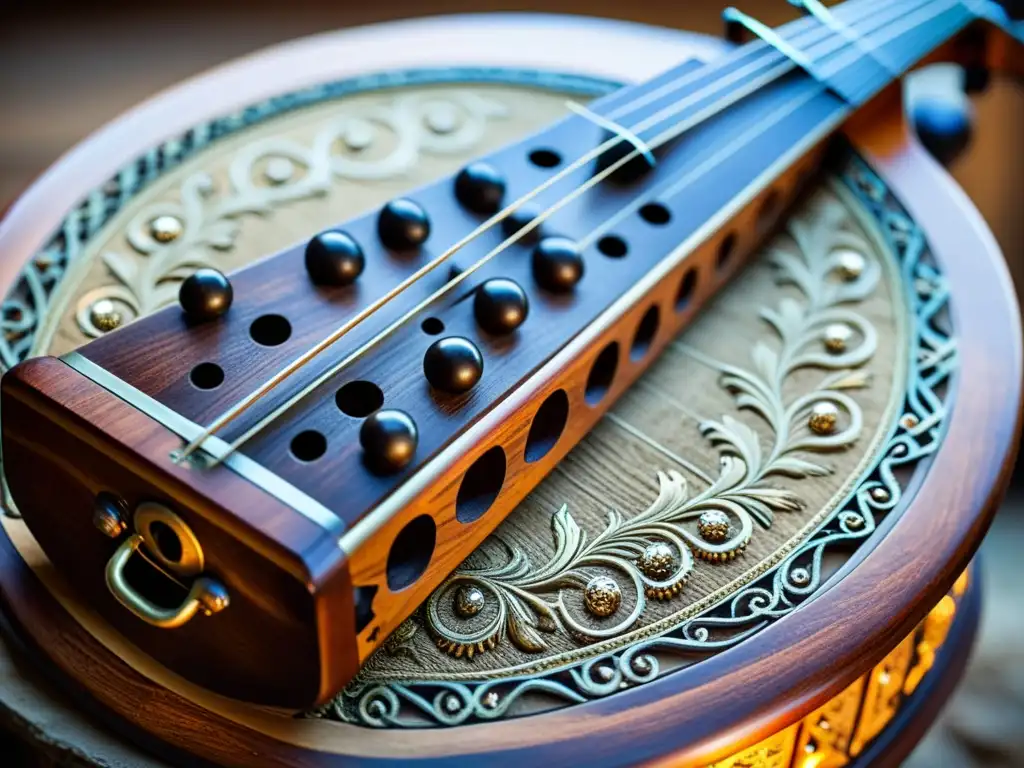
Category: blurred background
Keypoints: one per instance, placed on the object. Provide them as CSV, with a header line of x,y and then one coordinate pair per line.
x,y
66,68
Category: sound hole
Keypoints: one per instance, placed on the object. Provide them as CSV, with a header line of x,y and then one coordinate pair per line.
x,y
270,330
207,376
655,213
645,333
545,158
411,552
432,326
725,251
686,288
547,426
359,399
309,445
613,246
602,373
480,486
166,541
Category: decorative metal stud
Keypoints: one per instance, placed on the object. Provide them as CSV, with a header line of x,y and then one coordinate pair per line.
x,y
469,601
557,264
880,495
490,699
849,264
108,515
641,664
605,673
713,526
213,597
403,225
166,228
800,576
105,316
389,439
853,521
452,704
453,365
909,421
500,306
602,596
279,170
206,294
658,561
824,418
480,188
836,336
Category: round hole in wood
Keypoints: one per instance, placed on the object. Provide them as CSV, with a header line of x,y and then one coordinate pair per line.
x,y
166,541
359,399
686,287
270,330
207,376
655,213
725,251
432,326
602,373
480,485
645,333
613,246
547,426
410,552
545,158
308,445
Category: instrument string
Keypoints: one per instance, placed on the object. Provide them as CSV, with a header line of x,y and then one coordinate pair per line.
x,y
245,403
662,138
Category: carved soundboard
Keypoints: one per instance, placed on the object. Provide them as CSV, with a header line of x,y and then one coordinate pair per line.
x,y
842,317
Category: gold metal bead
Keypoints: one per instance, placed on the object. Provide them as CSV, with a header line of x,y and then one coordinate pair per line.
x,y
836,337
279,170
854,521
602,596
713,526
166,228
909,421
824,417
469,601
658,561
880,495
849,264
105,316
800,576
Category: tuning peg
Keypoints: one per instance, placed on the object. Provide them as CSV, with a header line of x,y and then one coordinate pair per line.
x,y
939,111
206,294
403,225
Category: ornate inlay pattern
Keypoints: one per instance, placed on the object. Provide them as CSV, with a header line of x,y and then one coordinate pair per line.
x,y
714,524
527,603
883,694
170,240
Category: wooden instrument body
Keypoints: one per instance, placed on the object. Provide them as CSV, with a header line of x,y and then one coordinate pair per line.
x,y
707,700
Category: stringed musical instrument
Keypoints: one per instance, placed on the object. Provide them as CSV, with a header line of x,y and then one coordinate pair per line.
x,y
259,483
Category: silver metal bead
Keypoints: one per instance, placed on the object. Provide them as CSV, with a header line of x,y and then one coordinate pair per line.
x,y
836,337
800,576
850,264
469,601
105,316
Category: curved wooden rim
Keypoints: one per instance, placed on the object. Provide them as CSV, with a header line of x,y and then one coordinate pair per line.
x,y
731,699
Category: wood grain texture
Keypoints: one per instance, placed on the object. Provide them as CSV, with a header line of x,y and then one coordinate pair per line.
x,y
285,635
842,632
